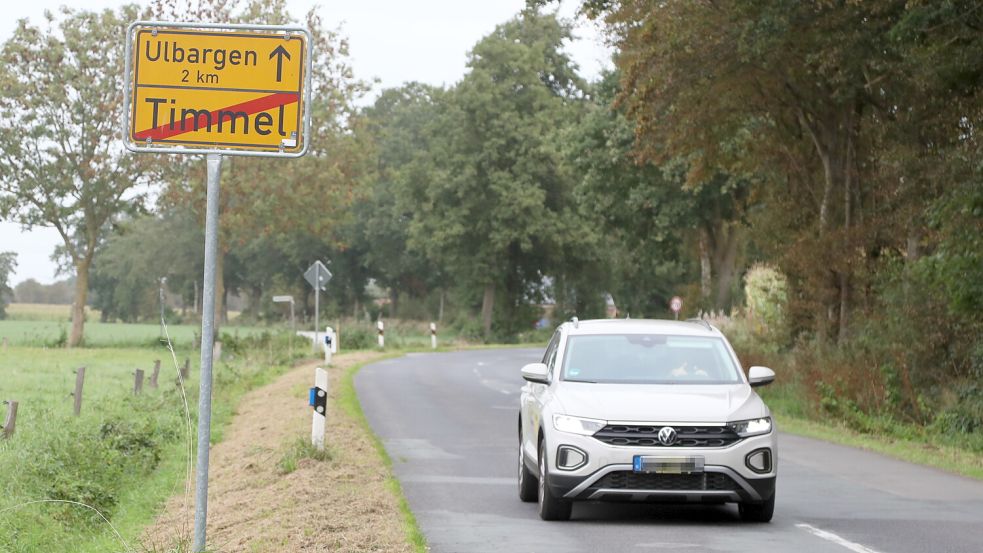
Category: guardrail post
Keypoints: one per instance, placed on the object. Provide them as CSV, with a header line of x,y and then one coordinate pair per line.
x,y
11,422
138,382
77,394
155,374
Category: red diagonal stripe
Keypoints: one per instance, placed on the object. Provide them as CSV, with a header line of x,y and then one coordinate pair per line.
x,y
252,106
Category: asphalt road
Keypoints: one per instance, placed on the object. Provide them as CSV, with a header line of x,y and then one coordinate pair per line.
x,y
448,421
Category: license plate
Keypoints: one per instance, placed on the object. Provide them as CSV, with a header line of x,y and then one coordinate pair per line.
x,y
667,465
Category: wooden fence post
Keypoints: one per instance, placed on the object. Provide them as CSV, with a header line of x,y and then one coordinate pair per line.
x,y
138,382
186,369
11,422
155,374
77,394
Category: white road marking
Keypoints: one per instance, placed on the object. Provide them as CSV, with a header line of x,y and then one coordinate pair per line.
x,y
829,536
667,545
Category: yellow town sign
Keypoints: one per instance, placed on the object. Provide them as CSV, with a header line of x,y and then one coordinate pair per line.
x,y
227,89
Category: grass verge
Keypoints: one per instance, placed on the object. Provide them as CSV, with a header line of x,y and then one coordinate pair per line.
x,y
348,401
947,458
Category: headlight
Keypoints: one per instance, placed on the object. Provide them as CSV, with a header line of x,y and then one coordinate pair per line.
x,y
577,425
753,427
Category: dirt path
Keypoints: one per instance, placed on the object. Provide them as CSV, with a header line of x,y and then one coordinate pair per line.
x,y
341,504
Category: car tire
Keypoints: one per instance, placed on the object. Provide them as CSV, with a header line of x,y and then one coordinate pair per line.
x,y
550,506
757,512
528,482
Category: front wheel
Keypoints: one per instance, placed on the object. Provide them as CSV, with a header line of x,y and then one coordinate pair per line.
x,y
528,483
758,512
550,506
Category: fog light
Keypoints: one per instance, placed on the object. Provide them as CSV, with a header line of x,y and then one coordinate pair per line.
x,y
759,460
570,458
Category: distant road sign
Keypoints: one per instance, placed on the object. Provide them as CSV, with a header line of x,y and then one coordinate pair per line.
x,y
317,275
282,299
676,304
230,89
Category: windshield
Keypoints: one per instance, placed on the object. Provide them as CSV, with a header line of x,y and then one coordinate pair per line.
x,y
648,359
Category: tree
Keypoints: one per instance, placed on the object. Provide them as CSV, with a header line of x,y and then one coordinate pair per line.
x,y
132,261
266,198
400,128
497,208
8,262
63,164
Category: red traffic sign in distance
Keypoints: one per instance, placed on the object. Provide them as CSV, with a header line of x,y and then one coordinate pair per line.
x,y
676,304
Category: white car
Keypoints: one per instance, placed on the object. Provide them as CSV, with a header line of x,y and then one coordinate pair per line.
x,y
645,410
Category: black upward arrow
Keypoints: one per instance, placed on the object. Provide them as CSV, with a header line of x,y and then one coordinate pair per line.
x,y
280,52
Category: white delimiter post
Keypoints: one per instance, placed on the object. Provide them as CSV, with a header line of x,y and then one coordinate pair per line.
x,y
319,398
328,345
433,335
382,334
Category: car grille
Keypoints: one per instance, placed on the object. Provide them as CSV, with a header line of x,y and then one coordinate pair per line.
x,y
627,480
648,436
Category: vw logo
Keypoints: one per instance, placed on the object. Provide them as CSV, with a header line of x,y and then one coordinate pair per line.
x,y
667,436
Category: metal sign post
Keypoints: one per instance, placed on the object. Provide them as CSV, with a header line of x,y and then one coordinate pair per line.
x,y
317,275
215,89
214,162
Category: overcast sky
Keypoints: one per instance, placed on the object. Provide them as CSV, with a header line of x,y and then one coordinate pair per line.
x,y
393,41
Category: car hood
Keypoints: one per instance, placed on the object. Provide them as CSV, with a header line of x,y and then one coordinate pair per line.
x,y
659,402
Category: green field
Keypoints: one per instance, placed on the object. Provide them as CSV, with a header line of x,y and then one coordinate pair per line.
x,y
44,325
125,454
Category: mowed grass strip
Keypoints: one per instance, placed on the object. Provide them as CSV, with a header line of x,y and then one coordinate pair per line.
x,y
269,491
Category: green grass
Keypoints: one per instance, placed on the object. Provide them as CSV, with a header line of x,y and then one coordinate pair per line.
x,y
53,333
348,401
124,455
921,451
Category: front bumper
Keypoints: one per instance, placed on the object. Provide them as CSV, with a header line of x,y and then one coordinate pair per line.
x,y
608,476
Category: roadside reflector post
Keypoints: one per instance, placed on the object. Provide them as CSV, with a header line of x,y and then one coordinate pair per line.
x,y
328,345
382,334
186,369
433,335
155,373
77,394
318,400
137,382
10,422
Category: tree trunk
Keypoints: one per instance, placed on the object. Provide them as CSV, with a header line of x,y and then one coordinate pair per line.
x,y
440,310
725,257
705,266
78,304
487,309
847,222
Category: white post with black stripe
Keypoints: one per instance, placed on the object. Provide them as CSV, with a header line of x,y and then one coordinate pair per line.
x,y
318,400
433,335
382,334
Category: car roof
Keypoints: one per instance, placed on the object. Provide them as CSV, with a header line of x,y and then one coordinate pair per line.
x,y
640,326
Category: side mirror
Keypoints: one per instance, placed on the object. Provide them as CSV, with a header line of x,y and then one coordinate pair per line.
x,y
536,372
760,376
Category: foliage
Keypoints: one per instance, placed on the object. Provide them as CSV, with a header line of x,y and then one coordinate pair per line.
x,y
8,262
63,165
32,291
